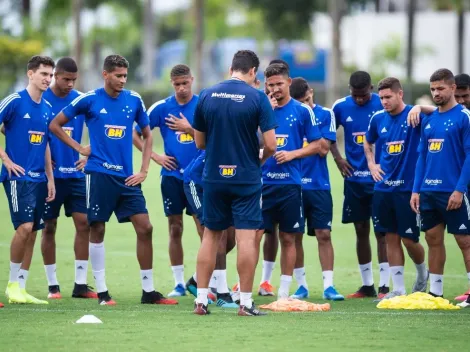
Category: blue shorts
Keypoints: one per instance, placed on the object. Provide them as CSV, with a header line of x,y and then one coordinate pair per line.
x,y
282,204
318,210
432,208
226,205
194,194
69,192
173,196
357,204
107,194
27,201
393,214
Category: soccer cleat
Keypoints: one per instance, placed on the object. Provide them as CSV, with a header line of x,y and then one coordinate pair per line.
x,y
1,305
266,289
434,295
104,299
389,295
178,291
83,291
463,297
191,286
13,293
464,304
31,299
244,311
420,286
212,295
201,309
225,301
363,292
156,297
54,292
383,290
302,292
331,294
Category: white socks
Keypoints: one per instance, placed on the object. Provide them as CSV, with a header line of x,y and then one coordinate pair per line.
x,y
146,276
178,274
468,275
268,268
81,270
245,299
366,274
14,268
299,274
97,265
22,277
437,284
421,271
284,286
327,279
213,281
221,276
398,278
202,296
51,274
384,270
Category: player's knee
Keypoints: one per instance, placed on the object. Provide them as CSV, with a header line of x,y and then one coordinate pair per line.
x,y
144,232
362,229
287,240
25,229
323,237
463,242
176,227
97,232
50,228
433,239
409,243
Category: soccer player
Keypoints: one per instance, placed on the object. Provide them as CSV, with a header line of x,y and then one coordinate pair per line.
x,y
316,196
27,170
70,186
282,185
179,151
394,176
442,177
110,113
227,119
462,91
353,113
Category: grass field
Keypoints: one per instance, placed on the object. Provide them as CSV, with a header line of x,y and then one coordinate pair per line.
x,y
350,325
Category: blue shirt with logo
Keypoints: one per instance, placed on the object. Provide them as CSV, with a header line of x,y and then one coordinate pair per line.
x,y
314,168
355,120
296,121
177,144
444,147
230,113
26,134
399,153
64,156
110,122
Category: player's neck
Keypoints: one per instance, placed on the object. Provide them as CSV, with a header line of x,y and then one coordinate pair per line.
x,y
34,93
57,92
183,101
242,77
111,92
284,101
450,105
398,110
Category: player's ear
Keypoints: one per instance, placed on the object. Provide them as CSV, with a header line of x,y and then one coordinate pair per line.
x,y
371,87
30,74
230,71
289,81
104,74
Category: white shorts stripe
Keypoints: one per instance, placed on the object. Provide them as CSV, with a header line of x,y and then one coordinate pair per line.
x,y
467,205
196,199
14,196
87,183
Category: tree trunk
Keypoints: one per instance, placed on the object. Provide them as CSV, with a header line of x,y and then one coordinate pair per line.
x,y
199,42
335,69
77,6
148,43
410,41
460,37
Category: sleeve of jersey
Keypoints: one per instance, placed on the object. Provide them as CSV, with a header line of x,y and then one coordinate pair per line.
x,y
420,164
337,113
312,132
79,106
142,118
199,123
372,134
267,119
328,126
7,107
464,178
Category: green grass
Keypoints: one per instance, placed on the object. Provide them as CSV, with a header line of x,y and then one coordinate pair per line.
x,y
350,325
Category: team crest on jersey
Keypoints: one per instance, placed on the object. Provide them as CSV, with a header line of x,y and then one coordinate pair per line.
x,y
395,147
69,131
36,137
115,132
435,145
184,138
359,137
281,140
227,170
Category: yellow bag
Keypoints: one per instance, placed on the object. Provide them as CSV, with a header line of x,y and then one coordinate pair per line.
x,y
417,300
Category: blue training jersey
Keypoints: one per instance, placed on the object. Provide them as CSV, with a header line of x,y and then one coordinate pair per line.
x,y
64,156
296,121
444,146
110,122
26,134
194,170
355,121
177,144
399,149
230,113
314,168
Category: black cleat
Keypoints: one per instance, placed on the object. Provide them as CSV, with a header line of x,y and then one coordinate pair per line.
x,y
104,299
434,295
364,292
54,292
156,297
201,309
83,291
191,286
383,290
244,311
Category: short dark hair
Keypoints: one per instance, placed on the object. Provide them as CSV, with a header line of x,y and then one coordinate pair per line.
x,y
360,80
391,83
443,74
180,70
66,64
38,60
298,88
276,70
244,60
113,61
279,61
462,81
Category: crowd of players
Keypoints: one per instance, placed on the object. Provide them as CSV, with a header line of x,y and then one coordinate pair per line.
x,y
405,167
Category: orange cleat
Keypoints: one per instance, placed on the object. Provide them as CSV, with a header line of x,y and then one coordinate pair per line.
x,y
266,289
463,297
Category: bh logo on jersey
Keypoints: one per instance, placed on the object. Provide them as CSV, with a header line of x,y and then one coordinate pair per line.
x,y
115,132
36,137
281,140
358,138
184,138
435,145
227,170
69,131
396,147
